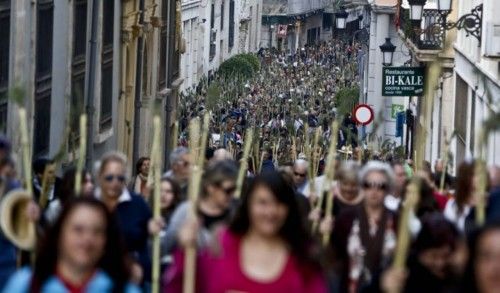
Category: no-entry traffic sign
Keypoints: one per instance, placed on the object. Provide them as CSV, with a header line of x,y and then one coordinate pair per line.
x,y
363,114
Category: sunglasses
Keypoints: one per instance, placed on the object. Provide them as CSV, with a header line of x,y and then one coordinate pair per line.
x,y
110,178
228,190
378,185
299,174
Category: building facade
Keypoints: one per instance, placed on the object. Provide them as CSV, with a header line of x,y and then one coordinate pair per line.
x,y
289,25
215,30
476,84
110,59
465,93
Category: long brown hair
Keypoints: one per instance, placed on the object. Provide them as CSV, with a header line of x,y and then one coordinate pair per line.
x,y
294,231
113,262
463,185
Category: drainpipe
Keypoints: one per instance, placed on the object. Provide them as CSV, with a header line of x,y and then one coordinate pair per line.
x,y
89,160
138,87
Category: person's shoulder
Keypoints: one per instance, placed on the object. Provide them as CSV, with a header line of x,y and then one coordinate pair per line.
x,y
180,212
103,283
131,288
183,207
138,199
138,203
19,281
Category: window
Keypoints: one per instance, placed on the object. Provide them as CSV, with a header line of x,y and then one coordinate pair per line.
x,y
78,69
162,68
231,25
327,20
462,90
213,34
145,68
107,65
174,41
222,15
43,76
473,122
4,61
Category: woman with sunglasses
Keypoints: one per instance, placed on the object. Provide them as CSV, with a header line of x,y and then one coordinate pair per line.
x,y
213,207
364,238
81,252
132,213
266,248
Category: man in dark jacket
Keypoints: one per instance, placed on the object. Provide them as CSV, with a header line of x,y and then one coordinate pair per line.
x,y
267,162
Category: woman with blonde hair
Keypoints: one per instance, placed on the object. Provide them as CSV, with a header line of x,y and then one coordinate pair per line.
x,y
131,211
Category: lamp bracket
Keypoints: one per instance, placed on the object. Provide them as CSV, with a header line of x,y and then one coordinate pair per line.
x,y
435,32
471,22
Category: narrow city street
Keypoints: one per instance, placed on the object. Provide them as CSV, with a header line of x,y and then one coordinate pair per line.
x,y
298,146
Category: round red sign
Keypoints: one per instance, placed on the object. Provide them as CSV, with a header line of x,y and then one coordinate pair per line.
x,y
363,114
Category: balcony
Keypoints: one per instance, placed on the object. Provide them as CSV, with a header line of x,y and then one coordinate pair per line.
x,y
428,37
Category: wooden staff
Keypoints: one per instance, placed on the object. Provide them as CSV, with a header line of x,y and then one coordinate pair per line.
x,y
175,135
82,154
312,170
330,175
25,146
315,154
481,173
306,146
261,160
44,193
445,165
204,139
244,162
480,191
330,171
156,170
194,188
294,149
403,242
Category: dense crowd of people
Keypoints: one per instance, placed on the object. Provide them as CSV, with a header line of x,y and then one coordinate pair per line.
x,y
271,238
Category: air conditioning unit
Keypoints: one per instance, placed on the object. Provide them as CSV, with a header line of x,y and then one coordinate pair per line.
x,y
492,38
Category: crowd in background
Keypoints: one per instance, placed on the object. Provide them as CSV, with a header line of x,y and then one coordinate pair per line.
x,y
266,240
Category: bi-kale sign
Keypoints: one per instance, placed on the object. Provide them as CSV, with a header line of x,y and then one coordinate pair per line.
x,y
403,81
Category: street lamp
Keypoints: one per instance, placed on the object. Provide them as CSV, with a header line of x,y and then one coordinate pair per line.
x,y
444,6
416,9
360,21
341,18
388,52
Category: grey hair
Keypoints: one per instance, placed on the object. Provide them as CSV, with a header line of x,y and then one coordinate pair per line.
x,y
112,156
301,162
177,153
377,166
348,171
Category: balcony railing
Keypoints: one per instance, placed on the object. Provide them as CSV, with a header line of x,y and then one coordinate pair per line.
x,y
429,37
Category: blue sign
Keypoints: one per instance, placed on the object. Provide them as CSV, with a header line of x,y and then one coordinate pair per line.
x,y
400,121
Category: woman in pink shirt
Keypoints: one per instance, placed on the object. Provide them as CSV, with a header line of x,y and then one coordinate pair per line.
x,y
265,249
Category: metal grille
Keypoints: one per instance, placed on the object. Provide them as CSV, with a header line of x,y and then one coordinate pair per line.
x,y
430,35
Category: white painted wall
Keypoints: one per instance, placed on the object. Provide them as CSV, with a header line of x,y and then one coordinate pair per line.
x,y
196,62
